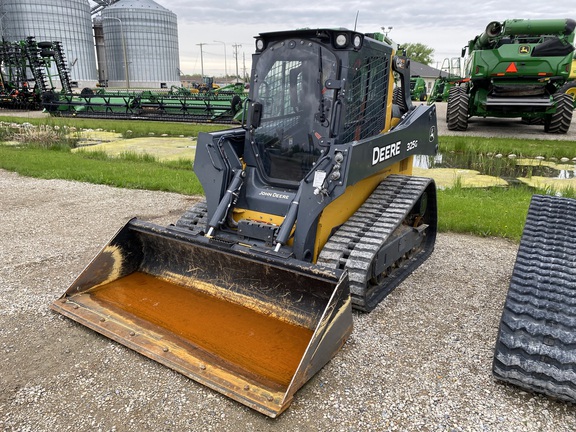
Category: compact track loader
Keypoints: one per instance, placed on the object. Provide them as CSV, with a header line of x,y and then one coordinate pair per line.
x,y
310,210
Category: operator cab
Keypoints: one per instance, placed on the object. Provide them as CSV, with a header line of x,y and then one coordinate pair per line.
x,y
311,89
290,89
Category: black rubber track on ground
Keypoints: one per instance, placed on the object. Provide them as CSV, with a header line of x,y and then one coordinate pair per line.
x,y
536,345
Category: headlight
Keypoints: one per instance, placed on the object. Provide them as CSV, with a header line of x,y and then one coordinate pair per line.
x,y
357,42
341,40
259,44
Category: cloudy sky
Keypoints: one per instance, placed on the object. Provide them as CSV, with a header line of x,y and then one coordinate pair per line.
x,y
445,25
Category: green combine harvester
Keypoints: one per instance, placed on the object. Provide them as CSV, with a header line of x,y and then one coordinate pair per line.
x,y
442,85
518,68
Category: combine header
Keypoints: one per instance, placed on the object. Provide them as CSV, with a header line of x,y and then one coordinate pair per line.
x,y
222,105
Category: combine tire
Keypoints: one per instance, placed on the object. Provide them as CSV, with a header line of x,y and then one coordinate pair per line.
x,y
569,88
536,345
559,122
457,110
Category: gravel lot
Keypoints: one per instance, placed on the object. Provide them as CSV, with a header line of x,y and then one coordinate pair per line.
x,y
420,361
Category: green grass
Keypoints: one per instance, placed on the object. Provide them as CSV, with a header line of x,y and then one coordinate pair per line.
x,y
506,146
129,129
489,212
492,212
131,172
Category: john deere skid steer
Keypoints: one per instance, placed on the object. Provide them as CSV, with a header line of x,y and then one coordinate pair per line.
x,y
310,210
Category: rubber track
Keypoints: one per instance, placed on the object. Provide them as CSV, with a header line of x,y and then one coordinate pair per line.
x,y
356,243
195,218
536,345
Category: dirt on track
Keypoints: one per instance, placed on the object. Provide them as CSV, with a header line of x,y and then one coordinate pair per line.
x,y
420,361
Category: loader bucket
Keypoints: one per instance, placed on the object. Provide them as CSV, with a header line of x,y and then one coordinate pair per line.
x,y
253,328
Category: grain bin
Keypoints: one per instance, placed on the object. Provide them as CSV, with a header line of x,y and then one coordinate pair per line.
x,y
141,40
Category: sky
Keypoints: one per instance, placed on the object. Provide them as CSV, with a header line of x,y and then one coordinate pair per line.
x,y
444,25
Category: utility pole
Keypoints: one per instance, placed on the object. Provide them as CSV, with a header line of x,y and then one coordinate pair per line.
x,y
236,46
225,63
201,59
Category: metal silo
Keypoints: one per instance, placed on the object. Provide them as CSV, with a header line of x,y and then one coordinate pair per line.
x,y
66,21
141,39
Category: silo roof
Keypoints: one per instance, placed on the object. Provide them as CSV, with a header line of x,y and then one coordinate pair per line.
x,y
138,4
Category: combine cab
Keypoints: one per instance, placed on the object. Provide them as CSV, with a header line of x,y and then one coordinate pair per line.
x,y
518,68
310,210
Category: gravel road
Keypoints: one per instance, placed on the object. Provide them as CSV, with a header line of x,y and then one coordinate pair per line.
x,y
420,362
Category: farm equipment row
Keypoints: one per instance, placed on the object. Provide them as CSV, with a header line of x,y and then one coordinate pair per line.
x,y
223,105
31,72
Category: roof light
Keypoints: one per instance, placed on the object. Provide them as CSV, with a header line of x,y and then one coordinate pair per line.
x,y
259,44
341,40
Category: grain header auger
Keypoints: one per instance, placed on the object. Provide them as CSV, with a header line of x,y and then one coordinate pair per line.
x,y
518,68
310,209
